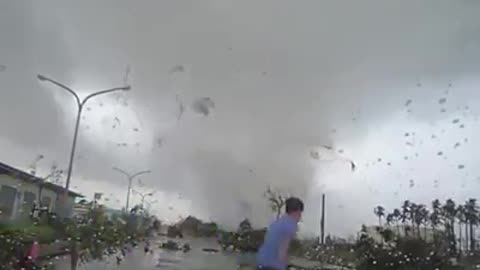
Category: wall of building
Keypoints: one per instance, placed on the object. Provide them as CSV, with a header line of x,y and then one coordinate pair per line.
x,y
22,187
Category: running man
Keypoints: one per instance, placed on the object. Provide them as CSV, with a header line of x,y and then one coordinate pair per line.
x,y
273,254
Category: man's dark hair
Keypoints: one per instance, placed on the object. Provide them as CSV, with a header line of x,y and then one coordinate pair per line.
x,y
293,204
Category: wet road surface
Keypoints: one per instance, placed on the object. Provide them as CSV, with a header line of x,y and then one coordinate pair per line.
x,y
137,259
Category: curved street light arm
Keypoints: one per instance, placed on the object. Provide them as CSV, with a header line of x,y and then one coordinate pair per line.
x,y
140,173
121,171
43,78
125,88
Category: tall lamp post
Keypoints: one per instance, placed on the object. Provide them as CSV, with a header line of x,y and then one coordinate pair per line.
x,y
143,195
80,105
130,178
149,204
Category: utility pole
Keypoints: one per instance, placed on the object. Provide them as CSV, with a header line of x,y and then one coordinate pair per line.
x,y
130,178
322,222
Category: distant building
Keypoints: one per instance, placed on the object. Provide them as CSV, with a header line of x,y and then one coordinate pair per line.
x,y
20,192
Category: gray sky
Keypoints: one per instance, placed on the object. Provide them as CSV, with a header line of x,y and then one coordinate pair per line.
x,y
285,77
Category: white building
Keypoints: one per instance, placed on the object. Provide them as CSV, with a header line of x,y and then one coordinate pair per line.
x,y
20,191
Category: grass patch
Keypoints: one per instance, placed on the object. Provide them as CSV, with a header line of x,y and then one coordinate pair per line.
x,y
28,232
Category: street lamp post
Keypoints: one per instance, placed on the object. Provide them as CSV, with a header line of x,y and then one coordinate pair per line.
x,y
143,196
130,178
80,104
149,205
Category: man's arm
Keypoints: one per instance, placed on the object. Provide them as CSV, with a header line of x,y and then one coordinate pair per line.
x,y
284,245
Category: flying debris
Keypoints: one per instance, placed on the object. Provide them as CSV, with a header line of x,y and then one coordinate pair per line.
x,y
419,84
439,153
340,151
159,142
379,160
442,110
89,109
203,105
135,129
408,102
412,183
331,156
353,166
389,163
456,121
116,122
456,145
181,108
461,126
327,147
407,134
442,101
460,166
178,68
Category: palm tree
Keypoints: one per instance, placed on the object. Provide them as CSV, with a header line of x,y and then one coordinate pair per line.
x,y
397,215
420,217
472,219
405,217
379,211
449,210
415,218
389,219
435,217
424,219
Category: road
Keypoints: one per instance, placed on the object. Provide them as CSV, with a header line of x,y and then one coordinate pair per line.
x,y
196,259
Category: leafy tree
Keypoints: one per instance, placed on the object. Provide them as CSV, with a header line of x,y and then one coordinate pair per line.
x,y
245,226
276,201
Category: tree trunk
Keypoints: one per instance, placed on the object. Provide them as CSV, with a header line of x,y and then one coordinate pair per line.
x,y
460,237
453,235
472,238
466,236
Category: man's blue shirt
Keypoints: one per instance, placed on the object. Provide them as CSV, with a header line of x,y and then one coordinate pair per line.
x,y
278,231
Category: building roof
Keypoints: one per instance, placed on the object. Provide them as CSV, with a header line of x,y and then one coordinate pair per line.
x,y
27,177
